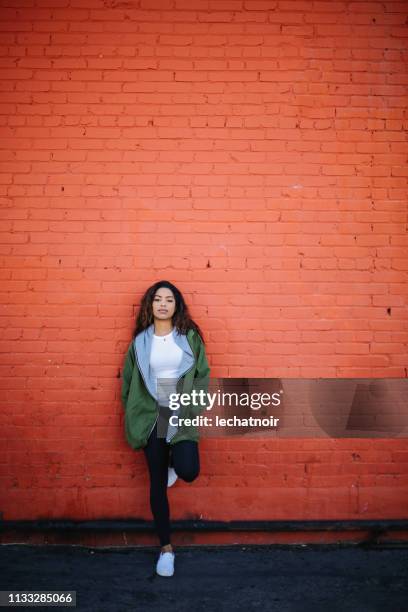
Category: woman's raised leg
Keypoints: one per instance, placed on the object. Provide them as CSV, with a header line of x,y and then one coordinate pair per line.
x,y
186,459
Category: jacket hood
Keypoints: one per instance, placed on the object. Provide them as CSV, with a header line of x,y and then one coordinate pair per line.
x,y
143,346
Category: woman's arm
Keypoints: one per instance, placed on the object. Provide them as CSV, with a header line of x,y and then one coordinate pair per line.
x,y
127,374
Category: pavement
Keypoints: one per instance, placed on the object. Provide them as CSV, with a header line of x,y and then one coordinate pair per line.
x,y
295,578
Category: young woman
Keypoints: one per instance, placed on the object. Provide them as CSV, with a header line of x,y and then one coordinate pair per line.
x,y
166,356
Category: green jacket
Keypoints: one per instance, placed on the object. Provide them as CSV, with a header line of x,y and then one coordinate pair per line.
x,y
141,407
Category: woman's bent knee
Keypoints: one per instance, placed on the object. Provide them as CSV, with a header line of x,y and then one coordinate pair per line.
x,y
187,475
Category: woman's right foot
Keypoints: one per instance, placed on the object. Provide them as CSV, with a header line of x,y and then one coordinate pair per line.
x,y
165,563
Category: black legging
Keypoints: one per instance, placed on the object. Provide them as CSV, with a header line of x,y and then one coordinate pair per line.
x,y
184,458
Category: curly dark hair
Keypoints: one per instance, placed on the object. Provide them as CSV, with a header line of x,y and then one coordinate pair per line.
x,y
181,319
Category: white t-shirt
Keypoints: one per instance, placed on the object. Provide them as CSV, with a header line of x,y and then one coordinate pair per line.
x,y
165,360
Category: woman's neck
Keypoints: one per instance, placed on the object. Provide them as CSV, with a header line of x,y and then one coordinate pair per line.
x,y
162,328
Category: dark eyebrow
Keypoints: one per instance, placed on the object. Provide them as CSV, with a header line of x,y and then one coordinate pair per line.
x,y
168,296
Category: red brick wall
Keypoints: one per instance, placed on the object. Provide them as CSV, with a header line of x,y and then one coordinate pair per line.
x,y
253,153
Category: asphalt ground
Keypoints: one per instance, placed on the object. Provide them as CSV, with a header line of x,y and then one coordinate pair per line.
x,y
295,578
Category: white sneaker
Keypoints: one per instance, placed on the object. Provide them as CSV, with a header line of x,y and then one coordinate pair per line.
x,y
165,564
172,477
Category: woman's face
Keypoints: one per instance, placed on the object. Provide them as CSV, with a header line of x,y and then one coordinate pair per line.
x,y
164,304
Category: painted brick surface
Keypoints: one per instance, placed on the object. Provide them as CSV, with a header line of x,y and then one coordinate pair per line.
x,y
252,152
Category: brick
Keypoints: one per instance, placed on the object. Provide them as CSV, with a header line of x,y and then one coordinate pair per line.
x,y
261,174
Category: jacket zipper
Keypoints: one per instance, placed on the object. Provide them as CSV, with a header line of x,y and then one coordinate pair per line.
x,y
184,373
141,373
153,426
